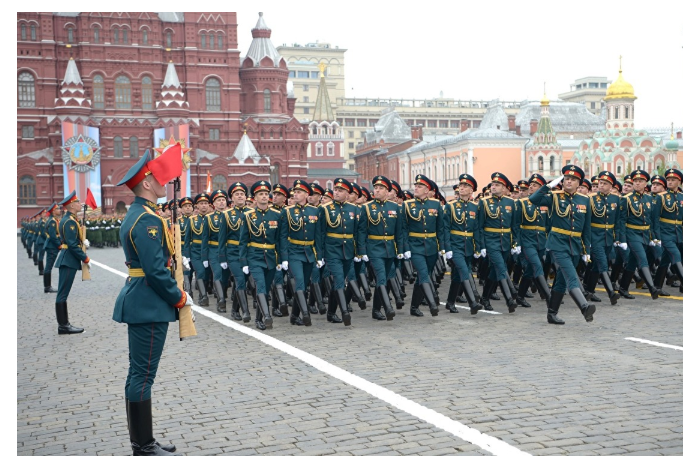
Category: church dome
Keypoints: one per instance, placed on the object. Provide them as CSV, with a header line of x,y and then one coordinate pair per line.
x,y
620,89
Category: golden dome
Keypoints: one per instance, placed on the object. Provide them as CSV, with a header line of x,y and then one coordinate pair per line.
x,y
545,100
620,89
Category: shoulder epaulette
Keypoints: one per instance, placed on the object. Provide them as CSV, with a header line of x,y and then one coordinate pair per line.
x,y
351,204
274,210
582,195
592,194
523,199
486,197
560,191
508,197
453,202
410,201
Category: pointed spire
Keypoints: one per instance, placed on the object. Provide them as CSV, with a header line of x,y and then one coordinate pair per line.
x,y
245,149
323,107
261,45
72,75
545,100
173,99
261,25
171,78
71,96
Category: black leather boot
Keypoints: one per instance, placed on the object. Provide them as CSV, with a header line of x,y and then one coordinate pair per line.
x,y
586,308
645,274
430,298
343,307
553,308
64,326
624,284
416,298
489,286
353,285
508,296
140,429
522,290
386,305
47,283
331,309
678,267
366,287
611,293
168,448
396,292
377,305
302,306
591,279
220,294
35,257
202,295
659,279
452,295
263,310
244,306
471,298
317,293
543,287
280,298
461,298
41,267
473,284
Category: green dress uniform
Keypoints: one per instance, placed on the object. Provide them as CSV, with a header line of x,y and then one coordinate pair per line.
x,y
52,248
280,307
670,218
302,246
210,251
193,242
229,238
40,241
569,239
69,261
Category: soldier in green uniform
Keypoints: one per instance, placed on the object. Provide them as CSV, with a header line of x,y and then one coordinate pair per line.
x,y
210,247
259,234
279,304
41,239
229,237
670,212
569,238
607,231
499,235
460,229
32,238
149,300
642,230
302,247
52,246
186,209
69,261
193,246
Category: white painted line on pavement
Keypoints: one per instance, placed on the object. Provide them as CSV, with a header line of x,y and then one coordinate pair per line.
x,y
467,308
489,443
651,342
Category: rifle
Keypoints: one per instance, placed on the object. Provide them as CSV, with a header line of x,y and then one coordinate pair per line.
x,y
83,232
187,328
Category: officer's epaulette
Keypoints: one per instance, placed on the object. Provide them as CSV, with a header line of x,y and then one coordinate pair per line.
x,y
410,201
247,209
507,197
560,191
453,202
582,195
522,199
274,210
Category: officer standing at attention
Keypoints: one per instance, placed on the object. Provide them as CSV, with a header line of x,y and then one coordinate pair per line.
x,y
569,238
41,239
186,209
642,230
670,212
301,247
259,234
210,247
193,245
499,235
149,300
607,231
52,245
69,261
229,249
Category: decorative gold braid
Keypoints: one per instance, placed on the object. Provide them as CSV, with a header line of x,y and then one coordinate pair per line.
x,y
461,220
370,219
665,207
291,224
493,216
640,212
525,212
235,226
329,220
420,216
555,204
210,223
193,226
260,232
596,213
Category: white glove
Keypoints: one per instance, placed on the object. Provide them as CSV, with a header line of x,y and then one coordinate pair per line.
x,y
186,262
108,228
320,263
86,242
623,246
279,267
651,243
554,183
223,265
189,300
205,264
449,255
657,242
483,252
364,258
477,255
407,255
515,250
586,258
357,259
284,265
245,269
400,256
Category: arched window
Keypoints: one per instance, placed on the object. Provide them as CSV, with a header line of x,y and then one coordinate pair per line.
x,y
626,112
211,41
220,41
212,95
619,169
70,35
267,100
32,29
27,191
617,112
203,41
123,92
586,166
219,182
26,93
121,207
95,31
23,29
168,39
270,133
98,92
124,37
330,149
133,147
146,91
551,165
116,36
638,166
118,147
540,163
319,149
145,37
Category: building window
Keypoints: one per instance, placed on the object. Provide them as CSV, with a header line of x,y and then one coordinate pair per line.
x,y
133,147
70,35
626,113
23,29
27,191
454,124
219,182
314,74
617,112
203,41
551,165
27,131
213,95
168,40
373,122
306,99
211,41
145,37
305,87
362,123
619,169
118,147
98,92
319,149
330,149
122,88
303,74
540,163
350,123
291,74
116,36
95,32
32,30
306,110
124,37
433,123
220,41
213,134
592,104
270,133
267,100
350,145
147,93
350,133
443,124
26,93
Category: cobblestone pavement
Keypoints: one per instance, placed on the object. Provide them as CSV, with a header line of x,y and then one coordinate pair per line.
x,y
578,389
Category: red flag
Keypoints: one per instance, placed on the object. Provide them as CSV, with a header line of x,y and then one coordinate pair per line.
x,y
168,165
89,200
208,183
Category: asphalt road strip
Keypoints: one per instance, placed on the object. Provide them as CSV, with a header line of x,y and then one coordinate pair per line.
x,y
491,444
651,342
660,297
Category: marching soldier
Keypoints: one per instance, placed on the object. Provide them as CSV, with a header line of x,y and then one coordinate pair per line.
x,y
278,299
316,304
186,209
301,247
642,230
210,247
149,300
669,206
41,239
607,231
499,235
52,245
229,250
69,261
462,235
570,233
259,234
193,254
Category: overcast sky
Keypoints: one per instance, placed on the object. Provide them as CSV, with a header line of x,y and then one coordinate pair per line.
x,y
499,49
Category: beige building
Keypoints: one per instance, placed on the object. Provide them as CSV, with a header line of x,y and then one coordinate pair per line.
x,y
588,90
304,73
